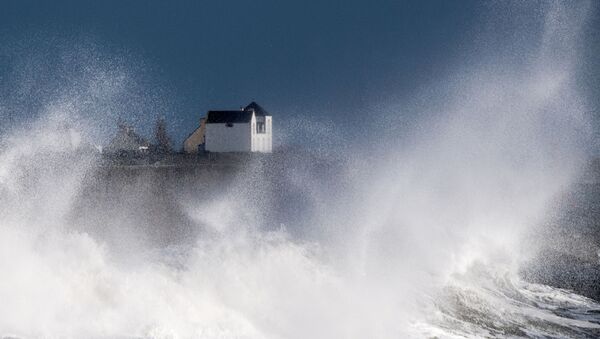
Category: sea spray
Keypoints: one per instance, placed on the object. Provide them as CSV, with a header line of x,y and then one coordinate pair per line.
x,y
420,237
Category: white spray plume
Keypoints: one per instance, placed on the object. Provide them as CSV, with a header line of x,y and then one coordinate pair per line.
x,y
415,220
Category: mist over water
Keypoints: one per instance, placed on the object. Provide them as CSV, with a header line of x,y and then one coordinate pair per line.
x,y
406,236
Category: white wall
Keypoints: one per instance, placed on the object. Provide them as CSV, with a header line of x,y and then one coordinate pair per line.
x,y
262,142
220,138
241,137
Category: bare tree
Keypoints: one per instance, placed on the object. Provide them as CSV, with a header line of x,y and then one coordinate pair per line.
x,y
163,142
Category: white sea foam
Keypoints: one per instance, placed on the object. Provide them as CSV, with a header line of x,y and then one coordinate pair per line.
x,y
421,238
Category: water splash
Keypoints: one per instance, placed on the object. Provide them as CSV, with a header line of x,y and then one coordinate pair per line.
x,y
419,238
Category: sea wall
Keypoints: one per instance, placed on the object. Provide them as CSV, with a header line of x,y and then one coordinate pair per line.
x,y
154,199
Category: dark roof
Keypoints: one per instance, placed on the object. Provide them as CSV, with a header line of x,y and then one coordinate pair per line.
x,y
259,111
223,117
240,116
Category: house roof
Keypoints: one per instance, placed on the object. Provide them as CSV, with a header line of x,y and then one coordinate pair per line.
x,y
239,116
223,117
258,110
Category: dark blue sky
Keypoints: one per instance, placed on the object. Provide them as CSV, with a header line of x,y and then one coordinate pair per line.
x,y
324,60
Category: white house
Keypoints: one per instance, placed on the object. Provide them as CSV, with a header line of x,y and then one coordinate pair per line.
x,y
246,130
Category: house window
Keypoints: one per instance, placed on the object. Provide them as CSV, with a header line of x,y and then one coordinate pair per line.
x,y
260,127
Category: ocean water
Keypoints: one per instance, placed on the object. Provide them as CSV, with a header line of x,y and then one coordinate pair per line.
x,y
424,235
